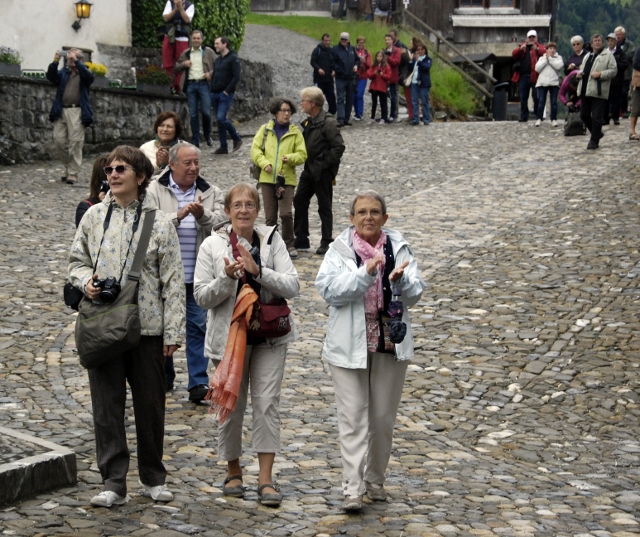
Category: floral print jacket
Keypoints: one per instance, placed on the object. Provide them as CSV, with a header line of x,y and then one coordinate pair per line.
x,y
161,295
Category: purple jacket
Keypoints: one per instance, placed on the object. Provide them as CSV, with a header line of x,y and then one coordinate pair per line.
x,y
567,95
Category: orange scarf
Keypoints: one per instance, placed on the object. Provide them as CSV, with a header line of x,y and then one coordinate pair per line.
x,y
225,384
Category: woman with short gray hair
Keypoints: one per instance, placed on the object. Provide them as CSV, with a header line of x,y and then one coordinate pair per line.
x,y
575,60
362,269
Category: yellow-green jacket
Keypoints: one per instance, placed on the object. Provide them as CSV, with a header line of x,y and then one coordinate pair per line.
x,y
291,144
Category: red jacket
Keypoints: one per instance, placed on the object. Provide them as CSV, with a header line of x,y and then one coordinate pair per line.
x,y
365,63
393,61
379,81
518,53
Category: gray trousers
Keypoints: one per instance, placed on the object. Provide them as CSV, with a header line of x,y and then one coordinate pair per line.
x,y
263,372
285,205
143,369
367,402
68,136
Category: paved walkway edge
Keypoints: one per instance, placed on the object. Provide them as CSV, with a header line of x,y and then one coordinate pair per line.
x,y
36,474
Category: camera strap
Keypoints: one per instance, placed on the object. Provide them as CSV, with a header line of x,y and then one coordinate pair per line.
x,y
134,228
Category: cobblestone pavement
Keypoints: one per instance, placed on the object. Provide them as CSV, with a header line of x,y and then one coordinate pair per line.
x,y
520,415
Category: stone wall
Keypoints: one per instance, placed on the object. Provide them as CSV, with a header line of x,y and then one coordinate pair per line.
x,y
120,116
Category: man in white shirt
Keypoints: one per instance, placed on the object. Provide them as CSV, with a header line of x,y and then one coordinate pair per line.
x,y
178,15
197,62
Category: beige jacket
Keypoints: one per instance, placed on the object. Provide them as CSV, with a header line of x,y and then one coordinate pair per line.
x,y
212,198
215,291
161,297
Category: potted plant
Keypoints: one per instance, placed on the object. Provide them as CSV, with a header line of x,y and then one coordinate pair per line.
x,y
100,73
153,79
9,61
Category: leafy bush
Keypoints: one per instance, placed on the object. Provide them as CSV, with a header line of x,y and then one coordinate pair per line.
x,y
9,55
213,17
97,69
153,74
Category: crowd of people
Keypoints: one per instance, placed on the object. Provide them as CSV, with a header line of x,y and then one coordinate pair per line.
x,y
598,81
342,72
208,273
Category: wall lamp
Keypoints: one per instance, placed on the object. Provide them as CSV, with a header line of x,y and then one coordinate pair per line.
x,y
83,11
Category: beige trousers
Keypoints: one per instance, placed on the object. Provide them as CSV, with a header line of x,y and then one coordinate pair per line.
x,y
285,206
367,401
263,372
68,136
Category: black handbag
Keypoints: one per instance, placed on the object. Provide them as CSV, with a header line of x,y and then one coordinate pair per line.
x,y
72,296
104,331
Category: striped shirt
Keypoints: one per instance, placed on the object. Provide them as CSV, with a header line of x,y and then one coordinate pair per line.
x,y
187,230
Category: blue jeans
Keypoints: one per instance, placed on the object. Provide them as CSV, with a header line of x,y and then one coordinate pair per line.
x,y
221,105
358,105
393,97
197,362
198,92
344,89
418,93
524,87
542,100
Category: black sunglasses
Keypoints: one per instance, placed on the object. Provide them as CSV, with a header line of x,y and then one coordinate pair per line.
x,y
118,169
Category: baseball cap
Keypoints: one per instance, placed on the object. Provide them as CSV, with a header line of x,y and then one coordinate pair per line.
x,y
532,33
612,36
344,35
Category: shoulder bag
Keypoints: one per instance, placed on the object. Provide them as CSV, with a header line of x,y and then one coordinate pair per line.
x,y
104,331
254,169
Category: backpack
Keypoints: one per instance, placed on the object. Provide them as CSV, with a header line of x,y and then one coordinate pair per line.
x,y
384,5
573,125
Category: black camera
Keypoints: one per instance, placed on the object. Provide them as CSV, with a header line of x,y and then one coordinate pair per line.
x,y
255,253
110,289
104,186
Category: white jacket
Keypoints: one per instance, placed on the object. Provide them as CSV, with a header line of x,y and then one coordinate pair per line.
x,y
216,292
343,284
549,70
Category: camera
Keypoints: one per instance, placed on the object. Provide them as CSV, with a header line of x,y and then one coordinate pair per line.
x,y
104,186
255,253
110,289
62,53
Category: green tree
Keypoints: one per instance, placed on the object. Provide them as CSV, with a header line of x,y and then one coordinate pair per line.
x,y
213,17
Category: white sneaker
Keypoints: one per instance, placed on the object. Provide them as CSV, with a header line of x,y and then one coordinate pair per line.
x,y
107,498
159,493
382,122
357,118
554,123
538,123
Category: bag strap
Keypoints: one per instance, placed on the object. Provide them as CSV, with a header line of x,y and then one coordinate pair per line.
x,y
143,244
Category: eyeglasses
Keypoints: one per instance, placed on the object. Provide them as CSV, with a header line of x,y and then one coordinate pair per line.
x,y
343,39
374,213
576,44
305,101
249,206
285,110
118,169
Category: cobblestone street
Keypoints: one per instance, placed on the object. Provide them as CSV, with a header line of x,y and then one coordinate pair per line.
x,y
521,412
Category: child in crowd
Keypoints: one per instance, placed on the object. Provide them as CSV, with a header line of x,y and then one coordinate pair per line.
x,y
379,74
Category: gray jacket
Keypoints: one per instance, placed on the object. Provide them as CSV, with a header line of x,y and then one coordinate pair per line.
x,y
605,63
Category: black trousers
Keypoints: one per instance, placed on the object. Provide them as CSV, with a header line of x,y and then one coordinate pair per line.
x,y
309,186
143,369
592,111
329,91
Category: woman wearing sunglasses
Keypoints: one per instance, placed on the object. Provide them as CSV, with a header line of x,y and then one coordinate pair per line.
x,y
104,247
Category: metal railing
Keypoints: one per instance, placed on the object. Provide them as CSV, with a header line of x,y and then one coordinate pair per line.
x,y
446,60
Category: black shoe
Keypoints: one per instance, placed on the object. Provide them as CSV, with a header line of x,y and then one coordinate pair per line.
x,y
300,245
522,120
63,179
221,151
197,144
348,124
592,145
209,141
237,144
601,135
616,122
198,393
322,250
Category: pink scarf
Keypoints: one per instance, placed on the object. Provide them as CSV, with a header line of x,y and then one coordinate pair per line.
x,y
373,297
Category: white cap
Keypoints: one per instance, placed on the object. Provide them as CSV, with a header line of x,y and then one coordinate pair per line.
x,y
532,33
344,35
